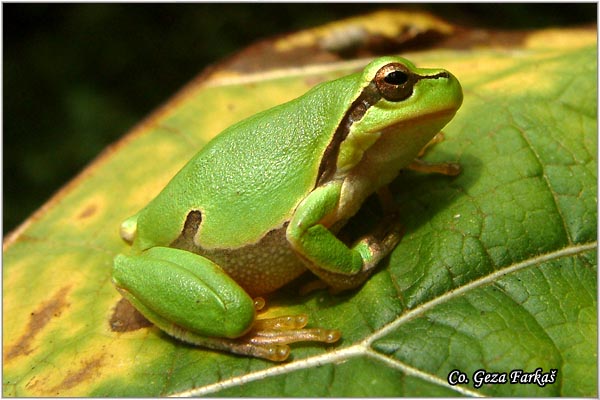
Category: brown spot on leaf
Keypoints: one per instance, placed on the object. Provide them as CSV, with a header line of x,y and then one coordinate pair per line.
x,y
37,321
88,369
126,318
88,212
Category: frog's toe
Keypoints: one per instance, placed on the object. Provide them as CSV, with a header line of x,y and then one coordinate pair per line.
x,y
289,329
281,323
271,352
296,335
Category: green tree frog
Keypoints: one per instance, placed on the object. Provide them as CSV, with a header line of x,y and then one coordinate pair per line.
x,y
264,200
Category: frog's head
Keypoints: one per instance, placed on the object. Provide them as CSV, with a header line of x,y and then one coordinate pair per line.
x,y
400,93
400,100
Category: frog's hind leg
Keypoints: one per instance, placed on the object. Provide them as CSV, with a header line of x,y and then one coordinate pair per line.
x,y
289,329
194,300
268,338
278,332
272,352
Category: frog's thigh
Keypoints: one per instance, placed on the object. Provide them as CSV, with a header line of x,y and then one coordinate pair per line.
x,y
181,291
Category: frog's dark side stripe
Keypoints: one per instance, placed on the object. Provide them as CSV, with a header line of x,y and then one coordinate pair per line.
x,y
186,239
369,96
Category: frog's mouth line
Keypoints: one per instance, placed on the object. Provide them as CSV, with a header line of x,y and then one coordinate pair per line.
x,y
440,114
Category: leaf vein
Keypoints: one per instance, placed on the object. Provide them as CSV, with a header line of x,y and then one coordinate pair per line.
x,y
363,348
322,359
415,312
547,183
412,371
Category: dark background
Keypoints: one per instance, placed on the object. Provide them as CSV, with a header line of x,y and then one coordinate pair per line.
x,y
76,77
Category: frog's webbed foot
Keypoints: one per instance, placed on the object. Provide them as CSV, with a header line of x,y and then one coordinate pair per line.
x,y
450,169
268,338
289,329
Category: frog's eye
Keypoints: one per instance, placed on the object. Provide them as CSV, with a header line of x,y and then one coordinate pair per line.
x,y
395,82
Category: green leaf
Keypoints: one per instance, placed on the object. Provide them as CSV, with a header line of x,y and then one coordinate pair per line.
x,y
496,271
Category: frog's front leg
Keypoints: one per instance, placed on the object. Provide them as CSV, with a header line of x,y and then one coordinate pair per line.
x,y
450,169
193,299
340,266
445,168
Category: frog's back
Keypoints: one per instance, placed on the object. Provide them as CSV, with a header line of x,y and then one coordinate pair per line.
x,y
250,178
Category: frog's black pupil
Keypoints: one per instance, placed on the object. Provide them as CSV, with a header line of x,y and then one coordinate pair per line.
x,y
396,78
